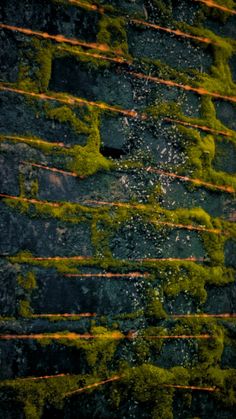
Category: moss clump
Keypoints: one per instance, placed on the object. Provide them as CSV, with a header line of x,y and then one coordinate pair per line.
x,y
65,114
98,351
36,78
24,309
146,384
112,32
27,282
154,307
34,395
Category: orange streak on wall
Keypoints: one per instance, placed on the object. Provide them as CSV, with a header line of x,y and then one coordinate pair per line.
x,y
51,169
211,3
118,60
201,127
31,140
70,100
210,389
57,38
66,315
88,6
109,275
166,223
43,377
228,189
204,315
98,384
30,200
108,336
176,32
117,378
198,90
190,259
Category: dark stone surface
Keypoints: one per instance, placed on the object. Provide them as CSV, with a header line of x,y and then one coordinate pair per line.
x,y
119,302
137,239
46,238
174,51
226,112
19,117
51,17
104,296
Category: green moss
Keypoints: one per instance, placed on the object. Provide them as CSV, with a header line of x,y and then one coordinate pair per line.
x,y
36,78
65,114
154,307
34,395
27,282
24,308
113,33
145,385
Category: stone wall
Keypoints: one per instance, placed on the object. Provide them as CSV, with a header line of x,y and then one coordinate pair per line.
x,y
117,251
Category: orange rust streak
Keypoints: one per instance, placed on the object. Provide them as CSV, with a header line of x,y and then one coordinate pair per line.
x,y
166,223
199,90
30,200
228,189
32,140
57,38
74,101
119,60
204,315
117,378
58,336
43,377
210,389
109,275
64,315
98,384
190,227
56,258
88,6
211,3
51,169
110,336
190,259
202,127
179,337
176,32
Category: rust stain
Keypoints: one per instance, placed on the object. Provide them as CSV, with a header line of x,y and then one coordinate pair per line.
x,y
43,377
94,385
198,90
51,169
119,60
190,259
225,188
201,127
107,336
109,275
88,6
119,377
58,258
176,32
204,315
70,100
66,315
190,227
166,223
57,38
31,200
30,140
209,389
211,3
